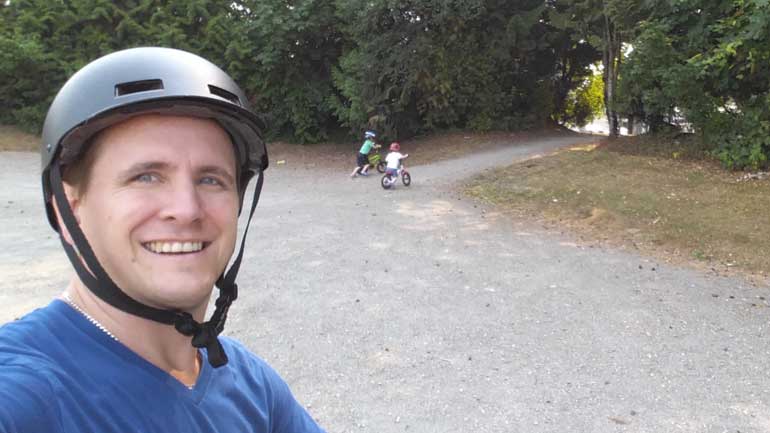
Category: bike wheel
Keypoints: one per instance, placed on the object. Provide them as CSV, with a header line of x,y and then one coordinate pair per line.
x,y
386,182
406,178
381,166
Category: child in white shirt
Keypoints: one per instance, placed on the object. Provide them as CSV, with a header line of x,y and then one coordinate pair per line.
x,y
393,159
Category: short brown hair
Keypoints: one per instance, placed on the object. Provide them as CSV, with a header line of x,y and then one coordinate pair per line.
x,y
78,172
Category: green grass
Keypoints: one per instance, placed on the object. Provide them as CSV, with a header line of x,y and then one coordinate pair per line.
x,y
685,208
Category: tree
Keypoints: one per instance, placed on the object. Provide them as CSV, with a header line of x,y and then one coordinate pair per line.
x,y
418,66
312,66
605,25
283,53
45,42
710,62
586,102
574,55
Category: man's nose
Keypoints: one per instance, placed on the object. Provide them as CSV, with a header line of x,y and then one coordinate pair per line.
x,y
183,203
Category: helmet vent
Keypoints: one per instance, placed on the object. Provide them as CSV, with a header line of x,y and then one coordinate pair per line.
x,y
222,93
137,87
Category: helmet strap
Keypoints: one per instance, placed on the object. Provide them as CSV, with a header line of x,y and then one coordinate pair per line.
x,y
204,335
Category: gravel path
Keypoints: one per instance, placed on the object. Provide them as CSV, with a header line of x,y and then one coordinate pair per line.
x,y
418,310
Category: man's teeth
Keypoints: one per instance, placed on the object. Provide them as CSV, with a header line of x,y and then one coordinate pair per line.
x,y
174,247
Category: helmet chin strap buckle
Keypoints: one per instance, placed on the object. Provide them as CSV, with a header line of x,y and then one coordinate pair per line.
x,y
205,335
186,325
229,293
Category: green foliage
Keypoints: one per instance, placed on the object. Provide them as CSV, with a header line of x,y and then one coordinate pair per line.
x,y
742,140
24,65
410,66
574,24
283,55
709,61
312,66
652,78
585,103
435,64
605,25
44,42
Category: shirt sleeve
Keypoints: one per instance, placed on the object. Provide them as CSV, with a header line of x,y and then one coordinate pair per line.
x,y
289,415
27,402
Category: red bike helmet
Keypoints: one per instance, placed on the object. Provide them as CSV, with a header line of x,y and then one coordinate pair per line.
x,y
395,147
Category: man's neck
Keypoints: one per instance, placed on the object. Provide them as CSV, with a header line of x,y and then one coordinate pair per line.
x,y
160,344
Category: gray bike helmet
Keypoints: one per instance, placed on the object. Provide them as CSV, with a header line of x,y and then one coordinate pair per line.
x,y
141,81
129,83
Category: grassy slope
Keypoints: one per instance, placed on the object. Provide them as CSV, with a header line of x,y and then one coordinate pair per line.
x,y
15,140
683,210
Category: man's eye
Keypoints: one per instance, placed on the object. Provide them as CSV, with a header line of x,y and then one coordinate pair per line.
x,y
146,178
210,181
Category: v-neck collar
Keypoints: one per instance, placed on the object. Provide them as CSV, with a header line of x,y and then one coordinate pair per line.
x,y
196,393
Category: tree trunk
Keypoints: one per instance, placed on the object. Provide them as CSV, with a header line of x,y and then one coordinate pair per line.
x,y
610,61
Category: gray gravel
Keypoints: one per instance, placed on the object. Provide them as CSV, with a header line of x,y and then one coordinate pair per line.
x,y
419,310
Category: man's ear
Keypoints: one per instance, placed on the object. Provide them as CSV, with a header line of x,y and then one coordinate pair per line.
x,y
73,198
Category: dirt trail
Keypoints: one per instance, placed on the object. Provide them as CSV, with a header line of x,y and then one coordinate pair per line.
x,y
417,310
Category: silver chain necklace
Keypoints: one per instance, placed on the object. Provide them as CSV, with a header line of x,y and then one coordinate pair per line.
x,y
71,303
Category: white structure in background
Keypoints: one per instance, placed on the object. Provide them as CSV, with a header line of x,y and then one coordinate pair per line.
x,y
602,127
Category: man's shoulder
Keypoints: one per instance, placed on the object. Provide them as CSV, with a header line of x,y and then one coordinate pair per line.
x,y
31,379
28,337
27,393
255,375
251,368
25,365
241,357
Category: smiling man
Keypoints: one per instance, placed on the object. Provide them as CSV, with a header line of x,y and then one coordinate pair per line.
x,y
146,156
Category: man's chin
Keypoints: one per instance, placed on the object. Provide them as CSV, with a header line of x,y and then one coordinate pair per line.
x,y
178,296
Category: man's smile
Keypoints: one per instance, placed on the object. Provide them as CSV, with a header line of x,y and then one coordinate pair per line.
x,y
175,247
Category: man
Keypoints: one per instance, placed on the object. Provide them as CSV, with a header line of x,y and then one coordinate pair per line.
x,y
146,155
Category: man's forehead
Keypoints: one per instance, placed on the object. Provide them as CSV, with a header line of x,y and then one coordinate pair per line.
x,y
145,124
151,136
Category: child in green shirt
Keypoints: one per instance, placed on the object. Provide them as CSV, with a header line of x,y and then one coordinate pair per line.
x,y
362,159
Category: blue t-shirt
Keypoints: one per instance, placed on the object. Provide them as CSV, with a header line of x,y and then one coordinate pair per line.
x,y
60,373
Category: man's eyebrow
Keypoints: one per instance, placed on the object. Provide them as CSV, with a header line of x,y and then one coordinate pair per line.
x,y
146,166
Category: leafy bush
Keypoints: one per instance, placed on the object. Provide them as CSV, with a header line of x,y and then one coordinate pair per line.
x,y
25,77
709,62
481,122
743,141
586,102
